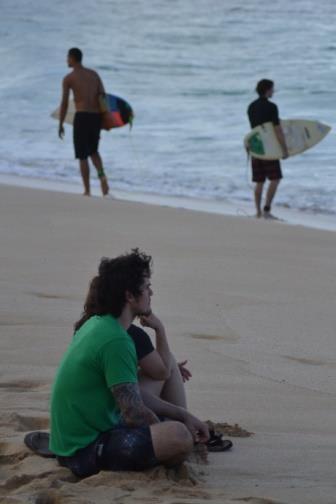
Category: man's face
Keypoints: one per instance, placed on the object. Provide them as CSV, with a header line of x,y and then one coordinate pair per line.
x,y
69,61
270,92
141,305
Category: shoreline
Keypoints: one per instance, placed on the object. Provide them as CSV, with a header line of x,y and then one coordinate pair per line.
x,y
291,217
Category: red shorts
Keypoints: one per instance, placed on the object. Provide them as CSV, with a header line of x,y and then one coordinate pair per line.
x,y
262,170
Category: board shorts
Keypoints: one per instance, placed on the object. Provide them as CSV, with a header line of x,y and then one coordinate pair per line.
x,y
262,170
119,449
86,133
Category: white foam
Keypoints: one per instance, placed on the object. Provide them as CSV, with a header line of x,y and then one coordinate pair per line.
x,y
288,216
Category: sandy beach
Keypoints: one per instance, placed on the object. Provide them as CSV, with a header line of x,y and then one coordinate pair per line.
x,y
250,304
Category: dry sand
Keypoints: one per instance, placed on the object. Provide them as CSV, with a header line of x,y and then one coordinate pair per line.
x,y
250,304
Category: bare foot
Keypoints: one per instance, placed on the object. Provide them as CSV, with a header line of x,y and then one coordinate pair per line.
x,y
104,185
258,215
268,215
86,194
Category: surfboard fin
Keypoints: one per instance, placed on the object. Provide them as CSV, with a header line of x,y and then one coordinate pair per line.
x,y
131,119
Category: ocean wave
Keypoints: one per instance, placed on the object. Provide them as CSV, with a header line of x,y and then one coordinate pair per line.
x,y
163,184
215,92
190,73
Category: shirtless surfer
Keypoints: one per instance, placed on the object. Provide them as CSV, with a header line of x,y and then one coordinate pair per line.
x,y
87,89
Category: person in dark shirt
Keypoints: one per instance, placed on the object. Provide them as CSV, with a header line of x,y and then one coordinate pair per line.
x,y
259,112
158,371
160,375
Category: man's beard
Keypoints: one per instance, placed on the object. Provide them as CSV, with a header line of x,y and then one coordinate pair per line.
x,y
144,313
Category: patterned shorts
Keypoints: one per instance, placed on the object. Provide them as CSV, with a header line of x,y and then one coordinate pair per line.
x,y
120,449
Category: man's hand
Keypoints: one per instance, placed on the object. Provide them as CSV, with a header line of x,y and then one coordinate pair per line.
x,y
151,321
281,139
185,373
61,131
198,429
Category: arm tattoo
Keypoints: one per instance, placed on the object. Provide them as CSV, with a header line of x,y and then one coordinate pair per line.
x,y
131,405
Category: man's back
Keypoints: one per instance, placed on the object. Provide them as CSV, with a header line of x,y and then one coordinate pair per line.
x,y
261,111
86,86
100,355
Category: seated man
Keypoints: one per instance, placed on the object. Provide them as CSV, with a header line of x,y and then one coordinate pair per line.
x,y
99,418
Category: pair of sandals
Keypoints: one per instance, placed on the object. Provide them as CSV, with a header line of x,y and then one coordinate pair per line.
x,y
38,442
216,443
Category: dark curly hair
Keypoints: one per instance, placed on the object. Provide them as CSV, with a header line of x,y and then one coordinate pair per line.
x,y
107,291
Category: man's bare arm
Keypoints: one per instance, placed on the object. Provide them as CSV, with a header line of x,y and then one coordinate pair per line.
x,y
101,89
163,408
131,405
197,428
281,139
102,98
63,106
158,363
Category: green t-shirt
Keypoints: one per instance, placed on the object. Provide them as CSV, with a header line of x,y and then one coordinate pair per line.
x,y
100,356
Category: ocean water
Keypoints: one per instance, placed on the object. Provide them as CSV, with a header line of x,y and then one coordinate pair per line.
x,y
189,69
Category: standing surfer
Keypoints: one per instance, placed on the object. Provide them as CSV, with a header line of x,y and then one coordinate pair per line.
x,y
87,89
259,112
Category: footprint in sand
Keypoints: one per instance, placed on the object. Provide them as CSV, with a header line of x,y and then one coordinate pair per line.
x,y
14,323
302,360
20,423
256,500
45,295
47,498
10,457
228,337
22,323
20,385
17,481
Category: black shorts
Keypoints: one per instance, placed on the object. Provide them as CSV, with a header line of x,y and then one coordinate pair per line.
x,y
119,449
261,170
86,132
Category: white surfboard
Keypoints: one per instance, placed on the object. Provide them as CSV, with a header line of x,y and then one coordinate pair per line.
x,y
300,135
69,118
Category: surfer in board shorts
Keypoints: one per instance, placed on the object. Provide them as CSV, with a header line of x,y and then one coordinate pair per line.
x,y
87,89
259,112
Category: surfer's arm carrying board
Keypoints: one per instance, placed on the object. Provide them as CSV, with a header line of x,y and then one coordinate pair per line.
x,y
64,106
299,135
281,139
116,112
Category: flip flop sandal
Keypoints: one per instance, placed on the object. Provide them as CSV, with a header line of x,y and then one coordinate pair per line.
x,y
38,442
216,443
219,445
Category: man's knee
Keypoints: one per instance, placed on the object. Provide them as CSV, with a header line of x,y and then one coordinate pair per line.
x,y
180,440
171,440
182,437
273,184
95,155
